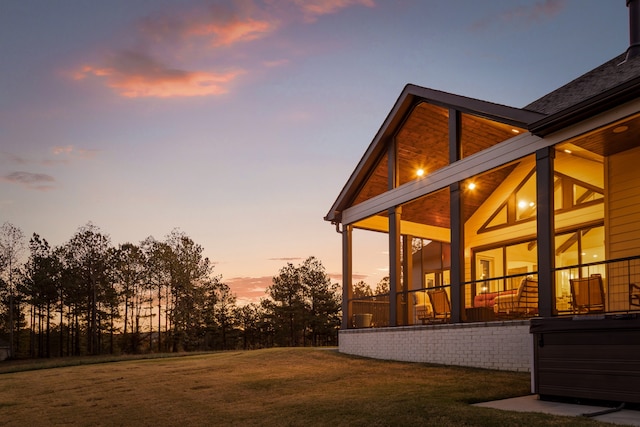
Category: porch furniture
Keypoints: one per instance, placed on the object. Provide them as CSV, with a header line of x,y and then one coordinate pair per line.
x,y
378,309
422,310
587,294
487,299
523,302
440,305
634,295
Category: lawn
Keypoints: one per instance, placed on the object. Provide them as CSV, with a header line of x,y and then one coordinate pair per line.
x,y
273,387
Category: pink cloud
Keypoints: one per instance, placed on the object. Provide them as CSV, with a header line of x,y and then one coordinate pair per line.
x,y
64,154
135,75
314,8
249,289
235,31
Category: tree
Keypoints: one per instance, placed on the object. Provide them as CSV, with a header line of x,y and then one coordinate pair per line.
x,y
382,287
86,256
128,262
11,246
362,290
323,302
303,304
159,258
40,284
189,269
288,308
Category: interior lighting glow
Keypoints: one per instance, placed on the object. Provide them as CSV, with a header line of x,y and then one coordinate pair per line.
x,y
531,204
522,204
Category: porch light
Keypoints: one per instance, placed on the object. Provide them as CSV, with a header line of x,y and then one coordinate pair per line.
x,y
420,172
472,186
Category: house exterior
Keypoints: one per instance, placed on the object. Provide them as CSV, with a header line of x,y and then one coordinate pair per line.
x,y
494,216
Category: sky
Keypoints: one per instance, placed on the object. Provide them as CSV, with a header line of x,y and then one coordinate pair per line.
x,y
239,122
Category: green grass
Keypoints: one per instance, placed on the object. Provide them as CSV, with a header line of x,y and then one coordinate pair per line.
x,y
274,387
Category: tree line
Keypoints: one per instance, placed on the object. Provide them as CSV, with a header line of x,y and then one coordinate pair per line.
x,y
89,297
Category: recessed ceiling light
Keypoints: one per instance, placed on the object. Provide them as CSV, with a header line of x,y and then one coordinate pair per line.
x,y
420,172
471,186
620,129
567,151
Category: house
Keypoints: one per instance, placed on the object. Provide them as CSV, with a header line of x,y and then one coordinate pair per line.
x,y
494,216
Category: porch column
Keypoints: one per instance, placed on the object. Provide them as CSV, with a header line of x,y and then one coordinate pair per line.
x,y
407,278
394,263
457,254
545,228
347,284
456,222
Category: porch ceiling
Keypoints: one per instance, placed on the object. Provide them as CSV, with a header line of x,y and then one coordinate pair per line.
x,y
612,139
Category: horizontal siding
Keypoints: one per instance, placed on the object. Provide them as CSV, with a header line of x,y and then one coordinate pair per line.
x,y
624,204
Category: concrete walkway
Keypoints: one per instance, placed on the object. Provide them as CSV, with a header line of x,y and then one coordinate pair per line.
x,y
531,403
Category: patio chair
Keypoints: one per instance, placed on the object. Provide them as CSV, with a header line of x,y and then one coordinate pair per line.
x,y
421,307
440,305
587,294
634,295
522,303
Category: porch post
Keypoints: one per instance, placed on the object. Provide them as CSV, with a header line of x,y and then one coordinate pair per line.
x,y
407,277
545,228
457,254
456,222
394,263
347,284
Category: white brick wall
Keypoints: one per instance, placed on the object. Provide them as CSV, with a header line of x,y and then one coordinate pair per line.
x,y
504,346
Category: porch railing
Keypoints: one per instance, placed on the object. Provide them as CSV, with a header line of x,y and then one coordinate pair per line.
x,y
578,290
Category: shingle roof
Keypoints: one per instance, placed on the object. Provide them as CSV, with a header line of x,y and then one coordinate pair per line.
x,y
599,80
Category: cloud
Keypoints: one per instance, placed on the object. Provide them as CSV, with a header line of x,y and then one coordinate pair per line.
x,y
13,158
64,154
235,31
314,8
214,35
249,289
33,181
524,15
135,74
287,259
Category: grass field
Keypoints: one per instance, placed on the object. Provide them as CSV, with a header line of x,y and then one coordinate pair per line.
x,y
274,387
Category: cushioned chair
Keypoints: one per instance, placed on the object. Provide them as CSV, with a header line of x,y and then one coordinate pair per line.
x,y
441,305
524,302
587,294
634,295
422,310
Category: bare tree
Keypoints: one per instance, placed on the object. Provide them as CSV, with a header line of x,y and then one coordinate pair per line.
x,y
12,243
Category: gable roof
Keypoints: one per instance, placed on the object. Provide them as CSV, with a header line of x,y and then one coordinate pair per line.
x,y
411,96
609,85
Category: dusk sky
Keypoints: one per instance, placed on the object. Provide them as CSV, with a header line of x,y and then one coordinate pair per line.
x,y
239,122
